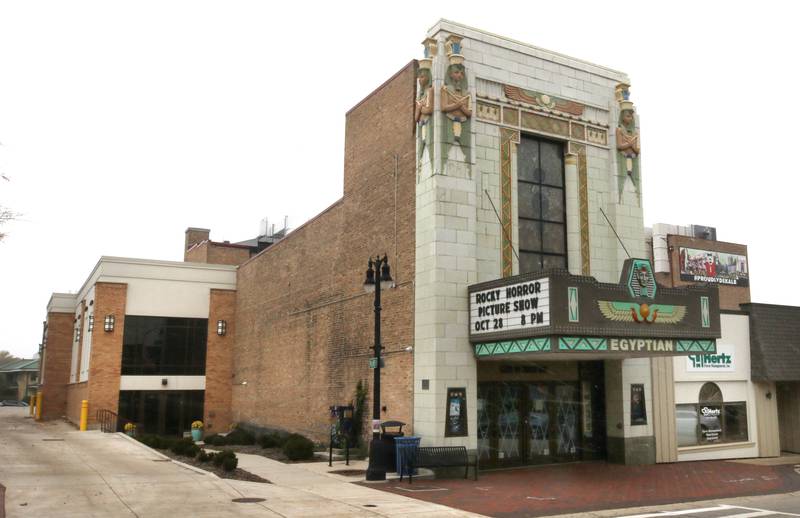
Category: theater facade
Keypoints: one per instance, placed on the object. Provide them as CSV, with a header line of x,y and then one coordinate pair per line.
x,y
540,332
526,319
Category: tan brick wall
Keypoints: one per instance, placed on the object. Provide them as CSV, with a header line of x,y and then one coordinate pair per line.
x,y
76,393
105,363
224,254
194,236
304,325
197,254
56,364
729,296
217,410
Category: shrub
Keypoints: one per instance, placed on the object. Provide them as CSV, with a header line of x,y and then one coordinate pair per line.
x,y
185,447
215,440
204,457
240,436
297,447
270,440
159,443
230,463
219,458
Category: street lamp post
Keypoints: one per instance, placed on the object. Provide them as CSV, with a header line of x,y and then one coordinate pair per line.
x,y
375,279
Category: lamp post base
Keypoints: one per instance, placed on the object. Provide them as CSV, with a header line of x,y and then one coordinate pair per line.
x,y
377,460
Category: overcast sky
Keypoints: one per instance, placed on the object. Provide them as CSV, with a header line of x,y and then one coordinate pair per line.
x,y
123,123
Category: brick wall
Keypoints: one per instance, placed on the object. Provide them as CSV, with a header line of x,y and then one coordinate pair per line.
x,y
76,393
304,324
56,364
729,296
194,236
222,253
217,411
105,363
198,253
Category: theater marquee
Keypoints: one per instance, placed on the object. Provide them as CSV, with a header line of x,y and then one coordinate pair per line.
x,y
553,312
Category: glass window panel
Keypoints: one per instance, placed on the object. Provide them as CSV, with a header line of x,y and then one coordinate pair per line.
x,y
735,417
156,345
528,160
529,200
686,424
530,235
554,261
710,423
529,262
552,238
552,163
552,204
710,393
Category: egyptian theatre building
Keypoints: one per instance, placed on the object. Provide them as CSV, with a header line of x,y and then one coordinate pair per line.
x,y
503,182
524,321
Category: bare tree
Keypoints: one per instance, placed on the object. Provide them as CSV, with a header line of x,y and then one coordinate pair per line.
x,y
6,215
5,356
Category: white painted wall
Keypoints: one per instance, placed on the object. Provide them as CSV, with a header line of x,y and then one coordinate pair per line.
x,y
735,386
155,383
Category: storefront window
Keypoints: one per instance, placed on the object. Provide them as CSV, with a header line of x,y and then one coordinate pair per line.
x,y
711,420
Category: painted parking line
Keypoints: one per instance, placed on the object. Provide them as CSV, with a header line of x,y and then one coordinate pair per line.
x,y
753,512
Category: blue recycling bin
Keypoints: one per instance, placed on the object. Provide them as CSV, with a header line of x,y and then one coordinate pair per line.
x,y
404,447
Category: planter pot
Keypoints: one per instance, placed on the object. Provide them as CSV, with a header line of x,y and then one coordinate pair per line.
x,y
131,433
197,434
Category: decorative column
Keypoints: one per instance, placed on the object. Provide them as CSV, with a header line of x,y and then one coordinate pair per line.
x,y
573,208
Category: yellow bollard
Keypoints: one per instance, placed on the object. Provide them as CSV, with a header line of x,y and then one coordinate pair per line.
x,y
38,406
32,405
84,414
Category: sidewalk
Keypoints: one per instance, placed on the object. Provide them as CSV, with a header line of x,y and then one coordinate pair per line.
x,y
592,486
49,469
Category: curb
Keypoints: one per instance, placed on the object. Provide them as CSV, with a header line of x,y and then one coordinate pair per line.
x,y
167,457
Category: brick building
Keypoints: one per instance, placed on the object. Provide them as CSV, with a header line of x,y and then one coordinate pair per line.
x,y
502,182
140,338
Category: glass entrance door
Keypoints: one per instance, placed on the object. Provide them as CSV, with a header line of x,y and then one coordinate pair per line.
x,y
535,422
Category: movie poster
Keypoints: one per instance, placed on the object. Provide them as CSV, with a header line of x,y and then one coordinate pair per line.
x,y
456,423
718,267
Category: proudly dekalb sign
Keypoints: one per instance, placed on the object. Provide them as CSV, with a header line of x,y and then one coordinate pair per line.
x,y
525,305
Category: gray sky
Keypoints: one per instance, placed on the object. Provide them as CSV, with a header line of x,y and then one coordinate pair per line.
x,y
124,123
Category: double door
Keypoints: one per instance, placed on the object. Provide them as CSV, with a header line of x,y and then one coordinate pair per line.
x,y
539,422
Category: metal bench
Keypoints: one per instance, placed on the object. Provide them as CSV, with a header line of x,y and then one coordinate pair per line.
x,y
437,457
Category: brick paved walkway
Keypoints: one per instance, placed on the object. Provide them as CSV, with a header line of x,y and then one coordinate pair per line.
x,y
580,487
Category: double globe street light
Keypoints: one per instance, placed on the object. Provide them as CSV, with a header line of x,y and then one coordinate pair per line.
x,y
377,449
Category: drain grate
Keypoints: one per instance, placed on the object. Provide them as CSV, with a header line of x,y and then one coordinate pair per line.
x,y
54,440
248,500
370,505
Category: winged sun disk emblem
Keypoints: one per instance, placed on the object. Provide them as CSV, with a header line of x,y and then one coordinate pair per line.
x,y
647,313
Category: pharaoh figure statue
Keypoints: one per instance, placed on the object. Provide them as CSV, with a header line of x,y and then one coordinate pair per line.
x,y
423,109
456,104
627,147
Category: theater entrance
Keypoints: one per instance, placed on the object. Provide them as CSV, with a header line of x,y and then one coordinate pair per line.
x,y
540,413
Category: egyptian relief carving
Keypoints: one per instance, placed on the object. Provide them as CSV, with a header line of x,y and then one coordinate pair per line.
x,y
456,102
543,100
488,111
423,110
627,142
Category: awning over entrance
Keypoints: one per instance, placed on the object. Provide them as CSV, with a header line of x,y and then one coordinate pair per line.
x,y
554,314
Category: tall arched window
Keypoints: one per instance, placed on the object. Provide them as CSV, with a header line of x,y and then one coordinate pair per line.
x,y
711,420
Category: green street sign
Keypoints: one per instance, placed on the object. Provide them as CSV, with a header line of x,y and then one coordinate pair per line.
x,y
373,362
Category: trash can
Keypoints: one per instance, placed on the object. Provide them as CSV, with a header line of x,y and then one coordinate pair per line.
x,y
404,447
388,437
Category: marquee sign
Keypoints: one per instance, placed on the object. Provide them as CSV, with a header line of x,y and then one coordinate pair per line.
x,y
523,305
553,312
